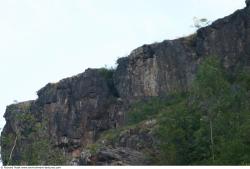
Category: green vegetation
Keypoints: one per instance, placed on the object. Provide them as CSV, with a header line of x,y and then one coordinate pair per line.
x,y
144,110
111,135
41,152
32,143
208,125
107,73
6,142
93,148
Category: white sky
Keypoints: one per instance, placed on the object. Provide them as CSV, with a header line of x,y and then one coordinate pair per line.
x,y
44,41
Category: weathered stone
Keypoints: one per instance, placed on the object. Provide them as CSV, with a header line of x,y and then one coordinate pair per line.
x,y
78,109
85,158
119,156
81,107
248,2
156,70
170,66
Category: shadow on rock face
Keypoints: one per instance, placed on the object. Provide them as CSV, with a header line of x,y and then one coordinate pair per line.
x,y
247,2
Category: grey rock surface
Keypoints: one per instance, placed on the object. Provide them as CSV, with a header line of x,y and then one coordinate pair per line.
x,y
80,108
169,66
248,2
120,156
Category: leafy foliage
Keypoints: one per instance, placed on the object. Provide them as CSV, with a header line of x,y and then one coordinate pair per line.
x,y
208,125
147,109
107,73
34,146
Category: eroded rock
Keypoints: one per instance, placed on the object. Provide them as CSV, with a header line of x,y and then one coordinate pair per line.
x,y
76,111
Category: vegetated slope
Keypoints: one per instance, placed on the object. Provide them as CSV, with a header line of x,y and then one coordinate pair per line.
x,y
183,101
208,125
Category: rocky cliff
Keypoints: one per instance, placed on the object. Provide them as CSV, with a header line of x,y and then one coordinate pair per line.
x,y
70,116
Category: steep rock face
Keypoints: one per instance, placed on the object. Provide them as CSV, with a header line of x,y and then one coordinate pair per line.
x,y
14,125
79,108
247,2
12,111
75,111
228,38
157,69
132,145
162,68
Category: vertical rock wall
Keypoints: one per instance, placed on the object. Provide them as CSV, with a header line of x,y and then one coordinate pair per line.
x,y
75,111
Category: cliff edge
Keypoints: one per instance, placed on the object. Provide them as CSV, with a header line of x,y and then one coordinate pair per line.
x,y
74,113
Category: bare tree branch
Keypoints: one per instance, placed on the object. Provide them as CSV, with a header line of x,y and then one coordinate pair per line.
x,y
12,150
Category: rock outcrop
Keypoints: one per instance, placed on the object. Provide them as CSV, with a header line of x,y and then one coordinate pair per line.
x,y
247,2
157,69
169,66
74,112
80,107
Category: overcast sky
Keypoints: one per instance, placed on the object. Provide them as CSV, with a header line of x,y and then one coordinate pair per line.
x,y
44,41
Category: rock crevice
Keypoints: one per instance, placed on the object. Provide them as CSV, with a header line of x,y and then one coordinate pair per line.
x,y
77,110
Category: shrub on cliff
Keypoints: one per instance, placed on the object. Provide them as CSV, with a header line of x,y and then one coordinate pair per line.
x,y
107,73
208,125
